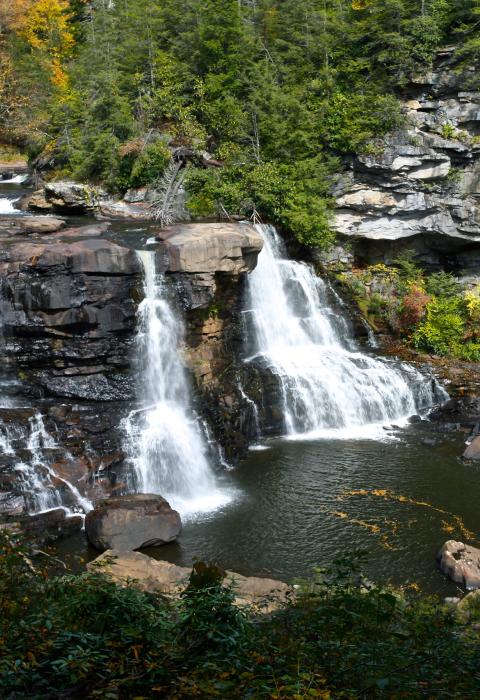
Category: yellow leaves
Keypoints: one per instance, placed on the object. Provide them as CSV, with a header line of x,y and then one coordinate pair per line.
x,y
472,300
360,4
46,29
453,523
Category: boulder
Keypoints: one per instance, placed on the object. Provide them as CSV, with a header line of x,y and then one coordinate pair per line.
x,y
132,522
74,196
473,450
22,225
210,248
152,575
461,563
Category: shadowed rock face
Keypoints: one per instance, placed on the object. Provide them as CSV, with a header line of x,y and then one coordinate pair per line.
x,y
132,522
69,315
421,186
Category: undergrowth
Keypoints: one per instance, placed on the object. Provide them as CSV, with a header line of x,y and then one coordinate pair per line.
x,y
83,636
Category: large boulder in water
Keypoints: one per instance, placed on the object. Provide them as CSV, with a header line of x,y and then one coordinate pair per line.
x,y
461,563
132,522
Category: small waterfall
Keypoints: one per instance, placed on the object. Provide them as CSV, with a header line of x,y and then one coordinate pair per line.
x,y
6,206
43,488
15,180
326,383
164,439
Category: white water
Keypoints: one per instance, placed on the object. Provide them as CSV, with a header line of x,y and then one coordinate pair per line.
x,y
41,482
6,206
15,180
328,387
163,438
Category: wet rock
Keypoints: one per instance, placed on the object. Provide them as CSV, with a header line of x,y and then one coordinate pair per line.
x,y
168,579
132,522
473,449
50,525
461,563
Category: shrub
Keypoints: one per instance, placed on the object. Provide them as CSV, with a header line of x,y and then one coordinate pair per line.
x,y
150,164
444,327
442,284
413,307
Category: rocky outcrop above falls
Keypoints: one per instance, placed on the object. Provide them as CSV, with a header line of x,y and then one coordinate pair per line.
x,y
197,255
420,187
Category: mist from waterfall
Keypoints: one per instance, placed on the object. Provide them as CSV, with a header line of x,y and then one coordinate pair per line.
x,y
164,438
328,387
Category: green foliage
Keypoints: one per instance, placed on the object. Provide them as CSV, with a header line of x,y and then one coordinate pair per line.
x,y
268,88
84,636
442,284
293,195
443,329
150,164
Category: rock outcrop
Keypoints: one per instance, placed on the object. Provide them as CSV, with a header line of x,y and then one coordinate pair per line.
x,y
132,522
155,576
68,313
419,188
461,563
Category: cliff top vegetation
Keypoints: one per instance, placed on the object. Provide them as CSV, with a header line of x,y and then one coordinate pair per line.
x,y
275,91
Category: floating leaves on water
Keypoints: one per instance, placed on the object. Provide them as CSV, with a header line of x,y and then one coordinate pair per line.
x,y
388,529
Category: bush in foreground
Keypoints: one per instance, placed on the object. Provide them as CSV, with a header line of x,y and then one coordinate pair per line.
x,y
83,636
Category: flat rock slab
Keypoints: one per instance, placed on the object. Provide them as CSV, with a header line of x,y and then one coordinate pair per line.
x,y
473,450
30,224
90,256
461,563
132,522
153,576
200,248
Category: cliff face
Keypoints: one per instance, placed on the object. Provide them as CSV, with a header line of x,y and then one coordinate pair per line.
x,y
68,305
420,187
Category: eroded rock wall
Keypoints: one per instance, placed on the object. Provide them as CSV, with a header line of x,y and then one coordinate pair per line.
x,y
420,187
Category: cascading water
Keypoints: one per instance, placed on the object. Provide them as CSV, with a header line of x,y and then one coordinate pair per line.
x,y
326,383
163,437
43,488
7,206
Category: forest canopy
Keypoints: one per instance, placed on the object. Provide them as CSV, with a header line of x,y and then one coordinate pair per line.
x,y
275,92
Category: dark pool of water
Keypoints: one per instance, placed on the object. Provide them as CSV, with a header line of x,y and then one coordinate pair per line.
x,y
293,508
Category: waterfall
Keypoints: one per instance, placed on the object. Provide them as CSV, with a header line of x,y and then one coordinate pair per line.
x,y
6,206
43,488
327,385
164,439
15,180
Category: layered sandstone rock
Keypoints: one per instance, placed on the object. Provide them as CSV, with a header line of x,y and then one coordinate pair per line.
x,y
419,188
68,313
